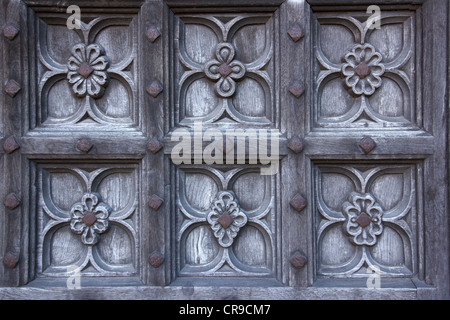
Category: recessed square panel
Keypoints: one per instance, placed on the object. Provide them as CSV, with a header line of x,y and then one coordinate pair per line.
x,y
224,227
365,76
88,220
225,68
87,78
366,216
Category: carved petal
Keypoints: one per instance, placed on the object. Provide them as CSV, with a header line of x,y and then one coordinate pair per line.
x,y
211,69
73,64
93,88
100,64
76,212
73,77
79,88
238,70
100,77
79,52
225,52
348,70
225,87
352,81
77,226
89,237
93,51
100,225
89,201
101,211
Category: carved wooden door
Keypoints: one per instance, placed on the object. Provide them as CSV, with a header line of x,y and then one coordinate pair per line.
x,y
273,149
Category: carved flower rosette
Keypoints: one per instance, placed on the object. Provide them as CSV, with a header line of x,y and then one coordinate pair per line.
x,y
364,222
88,70
363,69
225,69
226,218
89,218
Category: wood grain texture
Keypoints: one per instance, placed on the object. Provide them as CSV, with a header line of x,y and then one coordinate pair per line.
x,y
229,65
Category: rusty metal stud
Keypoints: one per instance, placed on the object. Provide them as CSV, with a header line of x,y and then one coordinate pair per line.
x,y
296,33
10,31
295,145
154,89
156,259
85,70
367,144
297,88
10,260
152,33
10,145
362,70
11,201
154,146
12,88
84,145
155,202
298,260
298,202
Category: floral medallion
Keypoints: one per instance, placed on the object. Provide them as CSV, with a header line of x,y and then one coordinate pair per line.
x,y
225,70
363,219
87,70
89,218
226,218
363,69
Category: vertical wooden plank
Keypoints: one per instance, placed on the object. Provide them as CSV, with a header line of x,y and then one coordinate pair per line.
x,y
169,171
15,15
435,39
295,176
152,57
3,235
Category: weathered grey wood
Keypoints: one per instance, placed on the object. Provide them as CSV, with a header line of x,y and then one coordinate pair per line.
x,y
154,166
295,66
159,230
14,165
210,292
436,200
